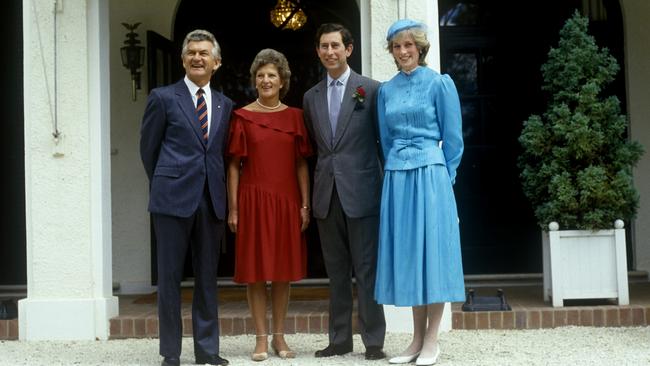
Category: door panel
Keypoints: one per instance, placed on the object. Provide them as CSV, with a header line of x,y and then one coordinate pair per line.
x,y
13,259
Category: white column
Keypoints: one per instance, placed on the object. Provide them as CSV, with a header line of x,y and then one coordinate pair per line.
x,y
377,16
67,180
636,17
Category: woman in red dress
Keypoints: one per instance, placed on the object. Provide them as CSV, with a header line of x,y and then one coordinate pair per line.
x,y
268,198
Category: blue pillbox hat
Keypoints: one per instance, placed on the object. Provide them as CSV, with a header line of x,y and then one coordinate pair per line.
x,y
401,25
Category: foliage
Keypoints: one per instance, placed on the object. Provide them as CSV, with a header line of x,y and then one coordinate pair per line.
x,y
577,163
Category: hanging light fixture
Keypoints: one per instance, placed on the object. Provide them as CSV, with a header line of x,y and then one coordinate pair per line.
x,y
288,14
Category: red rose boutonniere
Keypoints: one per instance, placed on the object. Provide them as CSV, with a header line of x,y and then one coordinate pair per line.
x,y
359,96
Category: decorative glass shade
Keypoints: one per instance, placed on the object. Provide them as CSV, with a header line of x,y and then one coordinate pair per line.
x,y
289,13
132,57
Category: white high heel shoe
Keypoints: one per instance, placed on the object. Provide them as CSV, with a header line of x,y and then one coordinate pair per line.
x,y
404,359
426,361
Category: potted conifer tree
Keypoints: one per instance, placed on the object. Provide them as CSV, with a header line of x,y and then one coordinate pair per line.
x,y
576,169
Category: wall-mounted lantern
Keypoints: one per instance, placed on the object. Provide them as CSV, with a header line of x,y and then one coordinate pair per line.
x,y
132,56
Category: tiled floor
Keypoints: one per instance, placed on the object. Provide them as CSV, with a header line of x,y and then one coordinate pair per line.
x,y
138,314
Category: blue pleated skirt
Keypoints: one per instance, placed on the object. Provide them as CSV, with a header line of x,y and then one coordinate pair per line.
x,y
419,259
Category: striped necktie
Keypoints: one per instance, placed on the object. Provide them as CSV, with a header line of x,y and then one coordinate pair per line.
x,y
202,113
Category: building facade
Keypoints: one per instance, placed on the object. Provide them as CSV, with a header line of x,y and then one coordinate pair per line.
x,y
86,225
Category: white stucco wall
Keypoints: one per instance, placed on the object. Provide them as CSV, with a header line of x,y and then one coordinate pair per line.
x,y
382,15
67,230
55,185
131,245
637,68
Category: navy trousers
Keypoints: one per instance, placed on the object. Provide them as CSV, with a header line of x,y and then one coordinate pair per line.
x,y
204,232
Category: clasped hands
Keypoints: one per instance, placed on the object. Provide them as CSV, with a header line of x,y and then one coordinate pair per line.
x,y
304,218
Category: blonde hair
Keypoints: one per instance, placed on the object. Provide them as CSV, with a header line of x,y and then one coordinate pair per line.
x,y
419,36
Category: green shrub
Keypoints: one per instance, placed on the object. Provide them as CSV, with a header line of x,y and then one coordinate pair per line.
x,y
576,167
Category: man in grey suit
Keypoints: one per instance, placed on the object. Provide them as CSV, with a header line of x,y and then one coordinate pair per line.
x,y
340,114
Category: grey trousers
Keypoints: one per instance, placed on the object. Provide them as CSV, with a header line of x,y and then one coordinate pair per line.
x,y
347,244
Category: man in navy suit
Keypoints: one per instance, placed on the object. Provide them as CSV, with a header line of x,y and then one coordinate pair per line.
x,y
183,139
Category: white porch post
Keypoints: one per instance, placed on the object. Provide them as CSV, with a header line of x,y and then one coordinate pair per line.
x,y
67,180
636,14
376,17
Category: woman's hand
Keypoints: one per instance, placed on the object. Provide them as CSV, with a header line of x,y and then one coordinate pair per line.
x,y
232,220
304,217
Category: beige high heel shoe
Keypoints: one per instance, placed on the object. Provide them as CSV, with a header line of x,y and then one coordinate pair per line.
x,y
284,354
262,355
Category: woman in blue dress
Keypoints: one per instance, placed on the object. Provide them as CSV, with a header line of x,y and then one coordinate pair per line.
x,y
419,262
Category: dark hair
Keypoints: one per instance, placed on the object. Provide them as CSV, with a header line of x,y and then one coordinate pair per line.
x,y
346,36
270,56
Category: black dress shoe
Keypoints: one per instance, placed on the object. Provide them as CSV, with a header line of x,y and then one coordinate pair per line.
x,y
333,350
171,361
212,360
374,353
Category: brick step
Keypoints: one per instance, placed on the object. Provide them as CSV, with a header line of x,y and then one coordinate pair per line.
x,y
8,329
140,320
536,318
130,327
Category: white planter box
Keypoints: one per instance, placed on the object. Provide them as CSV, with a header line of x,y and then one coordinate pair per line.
x,y
583,264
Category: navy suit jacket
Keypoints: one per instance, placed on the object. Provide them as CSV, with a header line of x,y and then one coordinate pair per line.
x,y
176,157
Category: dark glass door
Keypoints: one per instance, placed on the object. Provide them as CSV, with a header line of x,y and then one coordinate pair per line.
x,y
242,29
498,230
494,50
13,261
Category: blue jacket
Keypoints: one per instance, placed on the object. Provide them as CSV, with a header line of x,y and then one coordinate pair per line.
x,y
420,121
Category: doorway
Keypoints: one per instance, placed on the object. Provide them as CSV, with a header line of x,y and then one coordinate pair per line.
x,y
13,263
494,51
242,29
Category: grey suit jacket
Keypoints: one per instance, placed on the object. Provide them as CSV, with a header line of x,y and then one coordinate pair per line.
x,y
353,160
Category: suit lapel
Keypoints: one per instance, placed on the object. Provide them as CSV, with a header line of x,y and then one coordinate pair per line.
x,y
322,112
215,119
187,106
347,106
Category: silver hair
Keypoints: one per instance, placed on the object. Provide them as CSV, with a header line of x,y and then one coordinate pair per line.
x,y
199,35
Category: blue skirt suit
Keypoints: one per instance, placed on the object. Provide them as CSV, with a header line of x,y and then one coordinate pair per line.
x,y
420,130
